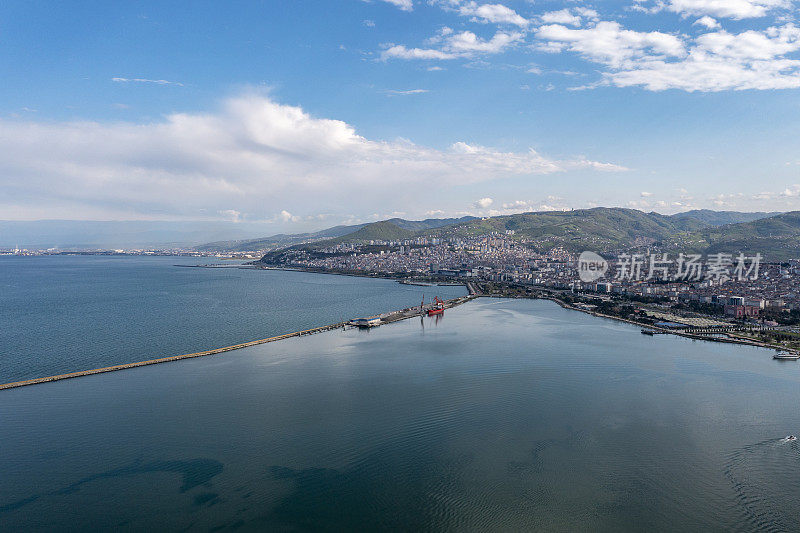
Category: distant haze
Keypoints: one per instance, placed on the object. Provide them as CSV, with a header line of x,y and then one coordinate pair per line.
x,y
79,234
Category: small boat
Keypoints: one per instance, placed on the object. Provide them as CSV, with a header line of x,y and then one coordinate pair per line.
x,y
786,356
790,438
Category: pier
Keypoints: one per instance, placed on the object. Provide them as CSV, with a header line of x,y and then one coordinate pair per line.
x,y
386,319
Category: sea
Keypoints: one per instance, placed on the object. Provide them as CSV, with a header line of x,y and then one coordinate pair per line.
x,y
500,415
66,313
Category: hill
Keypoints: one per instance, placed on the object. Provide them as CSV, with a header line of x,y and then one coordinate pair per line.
x,y
428,223
776,238
379,232
599,228
609,230
277,241
720,218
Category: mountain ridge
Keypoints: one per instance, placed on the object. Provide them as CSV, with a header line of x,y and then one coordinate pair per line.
x,y
336,232
720,218
614,229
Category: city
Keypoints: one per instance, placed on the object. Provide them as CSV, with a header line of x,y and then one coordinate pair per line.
x,y
769,297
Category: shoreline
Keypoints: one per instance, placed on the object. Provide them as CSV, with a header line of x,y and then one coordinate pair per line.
x,y
727,339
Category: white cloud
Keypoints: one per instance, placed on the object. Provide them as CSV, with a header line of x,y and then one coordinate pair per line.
x,y
722,200
401,52
286,216
657,61
467,42
521,163
447,44
483,13
145,80
751,45
735,9
609,43
454,45
518,206
714,60
492,13
707,22
483,203
552,207
563,16
231,214
405,5
791,192
253,156
399,92
587,13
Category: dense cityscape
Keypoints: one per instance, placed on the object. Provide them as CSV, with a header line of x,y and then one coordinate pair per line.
x,y
501,258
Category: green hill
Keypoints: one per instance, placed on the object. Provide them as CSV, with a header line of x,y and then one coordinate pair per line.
x,y
378,231
776,238
428,223
720,218
284,240
606,230
600,228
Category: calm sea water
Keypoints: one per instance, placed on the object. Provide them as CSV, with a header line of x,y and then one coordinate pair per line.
x,y
68,313
501,415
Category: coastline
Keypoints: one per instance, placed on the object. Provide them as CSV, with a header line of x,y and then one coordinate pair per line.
x,y
727,339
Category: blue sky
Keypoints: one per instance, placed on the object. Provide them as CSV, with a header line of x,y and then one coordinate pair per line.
x,y
305,114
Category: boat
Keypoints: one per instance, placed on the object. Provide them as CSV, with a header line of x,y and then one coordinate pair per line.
x,y
786,356
438,307
791,438
370,322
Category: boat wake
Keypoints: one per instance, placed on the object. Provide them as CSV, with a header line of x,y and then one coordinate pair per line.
x,y
765,477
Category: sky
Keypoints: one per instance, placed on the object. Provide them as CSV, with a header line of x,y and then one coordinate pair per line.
x,y
299,115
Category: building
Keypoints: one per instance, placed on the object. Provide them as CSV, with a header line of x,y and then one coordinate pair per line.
x,y
742,311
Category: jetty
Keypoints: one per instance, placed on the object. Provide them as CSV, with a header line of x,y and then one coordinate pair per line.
x,y
386,318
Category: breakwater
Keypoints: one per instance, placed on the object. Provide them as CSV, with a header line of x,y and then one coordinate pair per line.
x,y
387,318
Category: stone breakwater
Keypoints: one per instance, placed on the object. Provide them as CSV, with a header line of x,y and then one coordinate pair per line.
x,y
387,318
